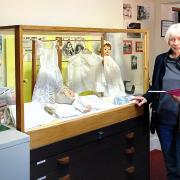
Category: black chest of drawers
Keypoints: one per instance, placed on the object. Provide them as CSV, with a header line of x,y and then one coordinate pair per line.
x,y
116,152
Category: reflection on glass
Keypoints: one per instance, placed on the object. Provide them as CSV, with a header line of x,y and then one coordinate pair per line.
x,y
7,79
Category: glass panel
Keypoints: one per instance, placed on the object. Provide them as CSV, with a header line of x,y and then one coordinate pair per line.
x,y
7,78
69,66
128,53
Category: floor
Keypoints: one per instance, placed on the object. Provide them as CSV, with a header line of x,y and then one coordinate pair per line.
x,y
157,167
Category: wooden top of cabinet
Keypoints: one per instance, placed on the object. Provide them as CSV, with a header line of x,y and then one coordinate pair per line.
x,y
58,131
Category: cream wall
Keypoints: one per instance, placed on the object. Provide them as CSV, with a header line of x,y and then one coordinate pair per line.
x,y
88,13
147,24
165,13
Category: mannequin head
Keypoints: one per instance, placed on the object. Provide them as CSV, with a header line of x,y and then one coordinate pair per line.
x,y
107,49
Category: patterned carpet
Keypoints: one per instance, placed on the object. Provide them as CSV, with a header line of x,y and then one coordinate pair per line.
x,y
157,167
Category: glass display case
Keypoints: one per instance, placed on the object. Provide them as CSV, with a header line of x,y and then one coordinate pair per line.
x,y
40,65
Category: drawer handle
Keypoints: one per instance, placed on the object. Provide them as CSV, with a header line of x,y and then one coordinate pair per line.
x,y
42,178
130,151
64,161
130,135
40,162
130,170
100,135
66,177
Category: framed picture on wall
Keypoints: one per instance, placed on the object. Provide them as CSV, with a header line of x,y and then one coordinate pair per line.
x,y
127,11
165,24
133,62
127,47
139,46
143,13
134,25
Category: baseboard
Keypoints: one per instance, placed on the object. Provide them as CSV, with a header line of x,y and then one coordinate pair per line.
x,y
154,143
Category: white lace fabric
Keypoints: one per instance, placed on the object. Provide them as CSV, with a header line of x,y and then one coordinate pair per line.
x,y
49,79
85,72
113,78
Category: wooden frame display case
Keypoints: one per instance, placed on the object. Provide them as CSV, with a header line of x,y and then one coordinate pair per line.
x,y
56,131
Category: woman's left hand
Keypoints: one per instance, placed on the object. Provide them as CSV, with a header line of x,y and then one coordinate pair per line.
x,y
139,100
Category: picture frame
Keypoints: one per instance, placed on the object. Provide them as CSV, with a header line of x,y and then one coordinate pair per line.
x,y
143,13
127,46
134,25
139,46
134,62
165,24
127,11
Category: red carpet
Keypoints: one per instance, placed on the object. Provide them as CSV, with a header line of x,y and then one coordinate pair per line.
x,y
157,167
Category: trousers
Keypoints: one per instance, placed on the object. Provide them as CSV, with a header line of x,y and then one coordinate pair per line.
x,y
170,144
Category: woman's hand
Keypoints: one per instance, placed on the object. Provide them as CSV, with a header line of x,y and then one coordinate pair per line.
x,y
139,100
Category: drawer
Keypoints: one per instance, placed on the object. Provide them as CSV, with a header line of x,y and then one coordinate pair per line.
x,y
113,149
137,168
125,170
53,176
123,146
59,163
86,138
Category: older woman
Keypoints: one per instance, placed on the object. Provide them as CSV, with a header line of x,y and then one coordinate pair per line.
x,y
166,76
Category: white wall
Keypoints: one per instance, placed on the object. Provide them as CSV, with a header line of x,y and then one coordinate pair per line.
x,y
165,13
80,13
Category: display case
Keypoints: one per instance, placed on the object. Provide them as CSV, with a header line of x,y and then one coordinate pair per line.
x,y
107,143
21,43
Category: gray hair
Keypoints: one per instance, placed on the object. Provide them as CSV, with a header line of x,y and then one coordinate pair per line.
x,y
173,31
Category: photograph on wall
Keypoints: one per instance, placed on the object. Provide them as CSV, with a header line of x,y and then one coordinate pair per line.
x,y
68,48
134,25
78,48
143,13
165,24
133,62
139,46
127,47
79,44
127,11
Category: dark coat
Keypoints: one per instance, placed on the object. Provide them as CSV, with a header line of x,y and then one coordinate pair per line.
x,y
157,78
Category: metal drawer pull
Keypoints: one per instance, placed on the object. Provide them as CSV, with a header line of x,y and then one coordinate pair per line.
x,y
64,161
130,151
41,178
130,135
66,177
40,162
130,169
100,135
